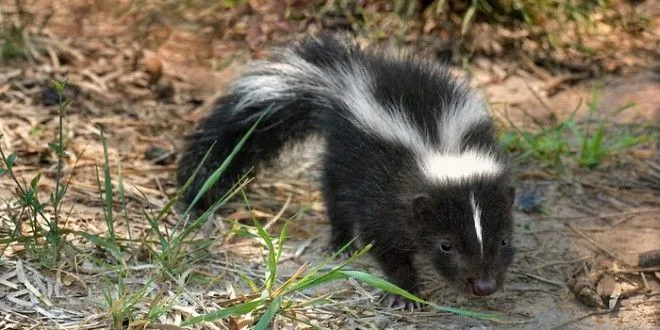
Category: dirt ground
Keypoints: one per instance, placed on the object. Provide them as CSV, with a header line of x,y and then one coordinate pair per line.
x,y
146,99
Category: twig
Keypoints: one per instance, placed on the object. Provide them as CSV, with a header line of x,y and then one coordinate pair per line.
x,y
624,220
279,214
560,262
603,216
638,270
543,103
596,244
580,318
647,288
542,279
543,74
555,82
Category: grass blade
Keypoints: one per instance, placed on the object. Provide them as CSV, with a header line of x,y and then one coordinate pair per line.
x,y
381,284
269,315
386,286
469,16
108,201
238,309
312,279
280,241
211,180
122,200
271,261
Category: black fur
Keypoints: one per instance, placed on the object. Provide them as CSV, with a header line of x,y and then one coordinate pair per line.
x,y
372,186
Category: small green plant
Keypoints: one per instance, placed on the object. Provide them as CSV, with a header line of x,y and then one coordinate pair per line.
x,y
121,304
404,9
178,249
127,308
45,242
595,144
275,297
14,44
110,244
531,12
588,145
173,251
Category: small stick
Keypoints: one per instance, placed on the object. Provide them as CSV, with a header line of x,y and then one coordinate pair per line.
x,y
556,82
543,103
638,270
602,312
624,220
560,262
279,214
596,244
580,318
604,216
542,279
647,288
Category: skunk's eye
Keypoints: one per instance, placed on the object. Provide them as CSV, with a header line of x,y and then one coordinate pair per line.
x,y
446,247
505,241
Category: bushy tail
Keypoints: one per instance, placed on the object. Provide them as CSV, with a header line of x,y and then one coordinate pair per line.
x,y
288,91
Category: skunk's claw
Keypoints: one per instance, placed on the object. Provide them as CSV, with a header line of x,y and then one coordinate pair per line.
x,y
400,303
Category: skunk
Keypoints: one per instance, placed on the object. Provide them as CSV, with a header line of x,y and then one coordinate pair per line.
x,y
410,161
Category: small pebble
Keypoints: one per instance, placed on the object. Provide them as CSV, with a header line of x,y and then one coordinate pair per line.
x,y
528,202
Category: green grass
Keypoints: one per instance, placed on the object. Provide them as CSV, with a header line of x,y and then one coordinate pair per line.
x,y
529,12
13,45
274,298
120,304
47,236
569,142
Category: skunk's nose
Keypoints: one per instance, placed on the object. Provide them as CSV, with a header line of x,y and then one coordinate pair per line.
x,y
483,287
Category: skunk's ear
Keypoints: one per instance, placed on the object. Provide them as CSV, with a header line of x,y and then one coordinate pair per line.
x,y
510,196
422,208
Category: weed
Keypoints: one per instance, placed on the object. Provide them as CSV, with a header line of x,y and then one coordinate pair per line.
x,y
45,242
232,3
173,251
121,305
405,10
274,298
587,145
110,244
531,12
14,44
128,309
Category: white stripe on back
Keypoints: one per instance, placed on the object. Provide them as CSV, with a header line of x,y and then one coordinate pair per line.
x,y
458,118
352,84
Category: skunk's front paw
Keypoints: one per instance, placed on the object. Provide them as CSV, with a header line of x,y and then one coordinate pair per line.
x,y
400,303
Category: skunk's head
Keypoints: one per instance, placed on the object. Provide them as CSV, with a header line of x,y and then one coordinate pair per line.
x,y
466,229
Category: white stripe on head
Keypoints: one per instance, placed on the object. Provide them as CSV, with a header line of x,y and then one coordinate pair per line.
x,y
476,212
458,167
